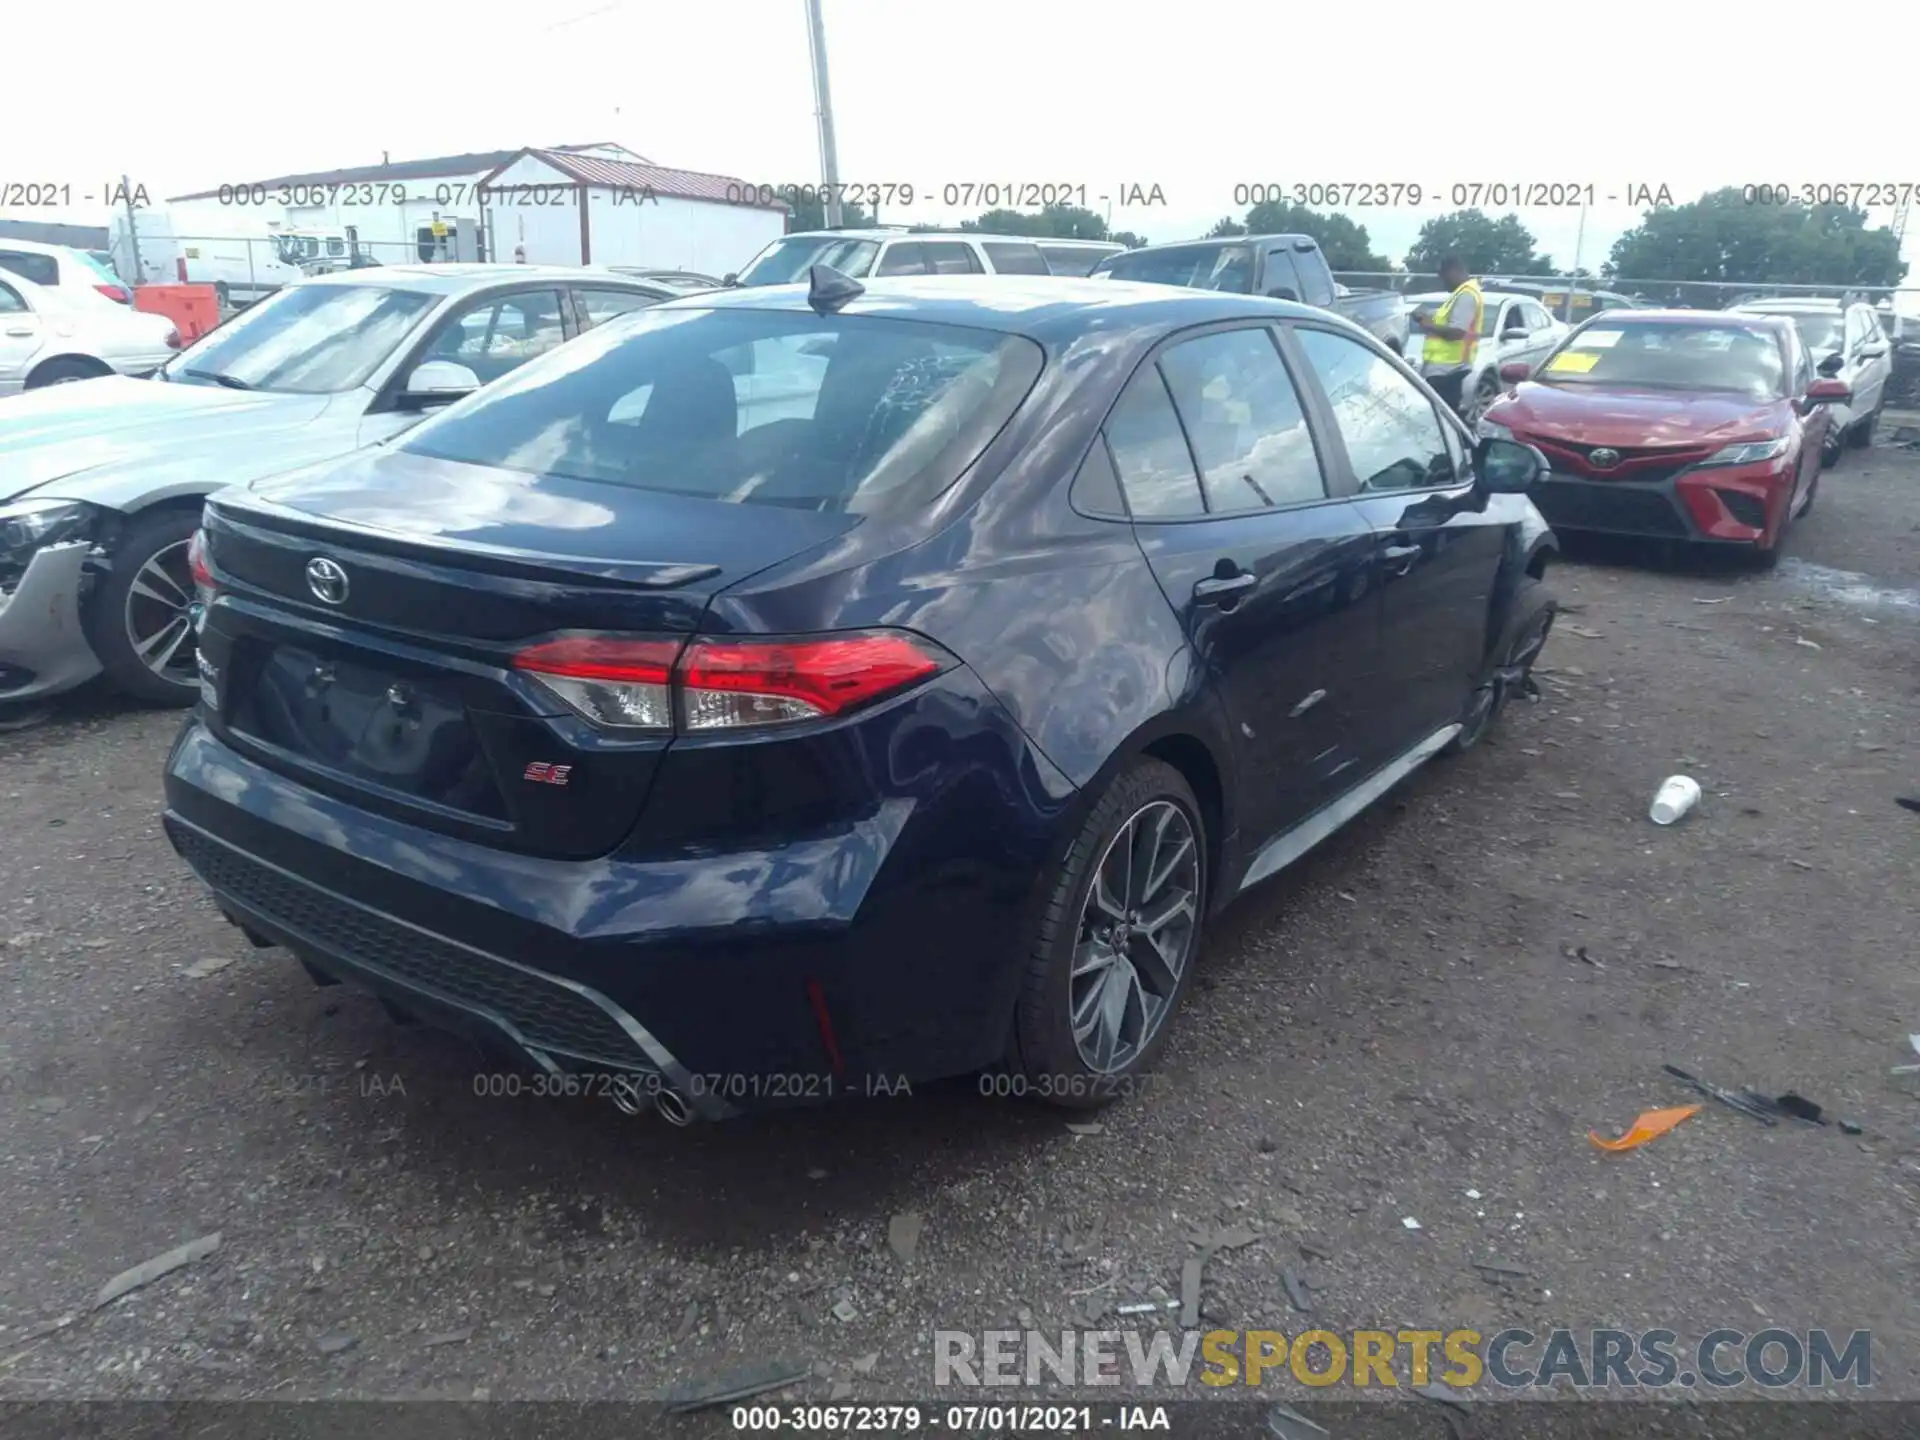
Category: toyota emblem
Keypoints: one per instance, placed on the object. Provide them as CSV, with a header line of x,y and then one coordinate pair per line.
x,y
327,580
1601,459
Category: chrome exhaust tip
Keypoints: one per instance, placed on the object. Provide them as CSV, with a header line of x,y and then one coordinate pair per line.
x,y
672,1107
627,1096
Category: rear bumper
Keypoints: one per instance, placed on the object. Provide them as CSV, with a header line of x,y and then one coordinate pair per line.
x,y
43,649
1722,504
840,963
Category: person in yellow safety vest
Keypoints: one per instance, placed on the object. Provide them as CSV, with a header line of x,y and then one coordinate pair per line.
x,y
1452,332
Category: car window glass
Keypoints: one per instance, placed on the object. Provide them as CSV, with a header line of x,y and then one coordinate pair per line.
x,y
496,335
41,269
1393,433
602,305
10,301
1316,281
950,257
1150,452
902,260
1015,259
1096,489
1283,279
1243,420
1537,317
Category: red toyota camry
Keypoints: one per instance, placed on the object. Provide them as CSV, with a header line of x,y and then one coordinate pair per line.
x,y
1680,425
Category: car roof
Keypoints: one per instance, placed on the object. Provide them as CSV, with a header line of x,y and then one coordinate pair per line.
x,y
1787,305
455,277
1221,240
1501,293
1053,309
889,232
1703,319
36,247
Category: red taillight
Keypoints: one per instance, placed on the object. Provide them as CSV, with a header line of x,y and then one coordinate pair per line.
x,y
727,684
197,560
115,292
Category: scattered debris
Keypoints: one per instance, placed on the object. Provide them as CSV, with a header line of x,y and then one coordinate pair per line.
x,y
337,1344
1579,952
1296,1292
903,1234
1234,1237
1473,1194
1803,641
1582,631
866,1363
1668,965
741,1384
1500,1267
1190,1291
1676,796
844,1312
149,1271
840,1391
211,965
1287,1423
1145,1307
1410,1222
688,1321
1650,1125
1847,1127
1314,1252
1907,802
449,1337
816,1173
1086,1127
1725,1097
1720,600
1267,1145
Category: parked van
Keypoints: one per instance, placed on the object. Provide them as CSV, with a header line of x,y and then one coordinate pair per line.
x,y
898,251
240,268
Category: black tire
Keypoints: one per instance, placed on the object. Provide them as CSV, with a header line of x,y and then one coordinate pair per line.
x,y
64,372
1529,623
1485,392
1047,1059
1861,436
117,613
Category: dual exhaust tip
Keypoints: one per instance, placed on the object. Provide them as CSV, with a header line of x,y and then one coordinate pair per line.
x,y
631,1098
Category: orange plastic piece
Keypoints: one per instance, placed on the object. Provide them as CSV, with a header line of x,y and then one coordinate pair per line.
x,y
1651,1125
194,309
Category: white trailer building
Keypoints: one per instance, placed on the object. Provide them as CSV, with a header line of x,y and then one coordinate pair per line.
x,y
574,207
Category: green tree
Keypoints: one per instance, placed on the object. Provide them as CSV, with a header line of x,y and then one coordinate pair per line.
x,y
1059,222
1224,226
1488,246
1722,237
1346,245
1128,238
806,212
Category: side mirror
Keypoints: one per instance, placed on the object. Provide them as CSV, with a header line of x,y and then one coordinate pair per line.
x,y
1514,371
1506,467
1829,392
1833,364
1281,292
438,382
730,279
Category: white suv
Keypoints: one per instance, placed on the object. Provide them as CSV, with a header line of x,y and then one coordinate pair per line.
x,y
864,253
1846,342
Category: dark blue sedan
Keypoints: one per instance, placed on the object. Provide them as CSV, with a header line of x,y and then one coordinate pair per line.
x,y
801,691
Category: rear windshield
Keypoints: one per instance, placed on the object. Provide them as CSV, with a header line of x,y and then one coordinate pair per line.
x,y
1720,358
765,407
1201,267
788,260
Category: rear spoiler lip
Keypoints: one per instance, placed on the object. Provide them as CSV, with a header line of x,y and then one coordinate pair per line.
x,y
236,510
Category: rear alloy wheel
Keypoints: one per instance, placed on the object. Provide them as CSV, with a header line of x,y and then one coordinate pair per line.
x,y
1534,609
141,615
1484,394
1117,942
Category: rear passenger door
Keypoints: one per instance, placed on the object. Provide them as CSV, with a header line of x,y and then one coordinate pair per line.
x,y
1434,565
950,257
1266,565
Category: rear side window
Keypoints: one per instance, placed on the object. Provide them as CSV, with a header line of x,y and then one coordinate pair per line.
x,y
906,259
1012,259
766,407
1282,279
600,306
41,269
950,257
1244,421
1150,452
10,301
1316,280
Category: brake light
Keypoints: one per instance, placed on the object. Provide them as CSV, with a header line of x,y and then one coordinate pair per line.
x,y
610,680
727,684
115,292
203,583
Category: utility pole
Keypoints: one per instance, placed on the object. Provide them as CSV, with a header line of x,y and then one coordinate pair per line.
x,y
1579,240
823,113
133,231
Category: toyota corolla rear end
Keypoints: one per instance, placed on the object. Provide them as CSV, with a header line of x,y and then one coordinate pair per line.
x,y
1665,427
474,736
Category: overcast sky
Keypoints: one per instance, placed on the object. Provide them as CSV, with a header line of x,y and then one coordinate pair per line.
x,y
1195,97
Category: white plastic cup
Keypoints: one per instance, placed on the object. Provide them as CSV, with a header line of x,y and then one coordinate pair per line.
x,y
1677,795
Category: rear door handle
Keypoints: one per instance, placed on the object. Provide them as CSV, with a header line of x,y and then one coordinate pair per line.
x,y
1220,587
21,332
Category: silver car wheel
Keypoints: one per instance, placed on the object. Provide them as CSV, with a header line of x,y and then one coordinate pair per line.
x,y
159,615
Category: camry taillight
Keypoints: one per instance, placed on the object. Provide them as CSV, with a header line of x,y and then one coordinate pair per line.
x,y
645,684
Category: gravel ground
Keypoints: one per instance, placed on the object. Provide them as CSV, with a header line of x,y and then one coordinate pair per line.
x,y
1443,999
